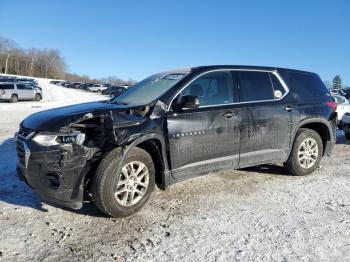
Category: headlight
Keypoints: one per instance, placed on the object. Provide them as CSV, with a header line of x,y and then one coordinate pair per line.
x,y
47,139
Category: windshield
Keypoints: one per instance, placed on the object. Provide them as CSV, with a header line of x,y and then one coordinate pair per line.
x,y
149,89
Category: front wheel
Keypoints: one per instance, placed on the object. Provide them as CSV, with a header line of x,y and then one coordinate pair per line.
x,y
306,153
37,97
14,99
124,193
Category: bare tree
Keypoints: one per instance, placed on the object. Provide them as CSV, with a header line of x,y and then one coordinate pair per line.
x,y
47,63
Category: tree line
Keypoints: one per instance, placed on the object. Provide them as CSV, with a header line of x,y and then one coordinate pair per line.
x,y
45,63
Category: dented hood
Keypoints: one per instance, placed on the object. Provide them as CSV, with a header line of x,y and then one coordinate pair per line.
x,y
53,119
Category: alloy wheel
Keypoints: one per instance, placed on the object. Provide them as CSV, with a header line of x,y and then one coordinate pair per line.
x,y
133,183
308,153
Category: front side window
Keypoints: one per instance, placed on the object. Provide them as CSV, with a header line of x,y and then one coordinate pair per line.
x,y
212,89
21,87
254,86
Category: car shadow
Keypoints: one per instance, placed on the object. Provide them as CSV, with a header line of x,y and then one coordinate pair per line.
x,y
12,190
268,169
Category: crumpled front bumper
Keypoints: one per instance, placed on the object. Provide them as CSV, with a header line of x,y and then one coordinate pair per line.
x,y
56,173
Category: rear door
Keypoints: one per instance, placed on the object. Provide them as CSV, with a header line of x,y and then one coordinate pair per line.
x,y
265,119
199,139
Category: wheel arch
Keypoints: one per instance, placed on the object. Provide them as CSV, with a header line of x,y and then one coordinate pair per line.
x,y
153,144
319,125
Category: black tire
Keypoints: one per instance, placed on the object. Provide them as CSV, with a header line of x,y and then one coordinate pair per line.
x,y
14,99
99,91
105,179
347,135
37,97
292,164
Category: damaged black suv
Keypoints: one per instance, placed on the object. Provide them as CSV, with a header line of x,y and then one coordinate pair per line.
x,y
173,126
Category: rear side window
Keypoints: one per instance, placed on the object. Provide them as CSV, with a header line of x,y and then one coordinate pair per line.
x,y
6,86
255,86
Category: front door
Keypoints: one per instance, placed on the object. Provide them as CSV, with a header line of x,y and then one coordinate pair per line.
x,y
200,140
25,91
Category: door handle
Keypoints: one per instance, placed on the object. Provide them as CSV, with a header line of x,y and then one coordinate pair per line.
x,y
289,108
229,114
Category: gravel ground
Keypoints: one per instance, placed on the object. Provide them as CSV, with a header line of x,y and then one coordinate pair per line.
x,y
258,214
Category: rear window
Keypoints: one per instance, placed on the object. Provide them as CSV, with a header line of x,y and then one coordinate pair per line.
x,y
6,86
255,86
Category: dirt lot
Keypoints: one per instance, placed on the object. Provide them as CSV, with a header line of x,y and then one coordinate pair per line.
x,y
258,214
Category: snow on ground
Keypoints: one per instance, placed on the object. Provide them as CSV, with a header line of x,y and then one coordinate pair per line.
x,y
258,214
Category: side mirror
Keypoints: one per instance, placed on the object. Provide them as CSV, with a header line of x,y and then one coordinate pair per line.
x,y
187,102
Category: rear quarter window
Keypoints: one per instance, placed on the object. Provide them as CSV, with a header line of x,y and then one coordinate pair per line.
x,y
307,85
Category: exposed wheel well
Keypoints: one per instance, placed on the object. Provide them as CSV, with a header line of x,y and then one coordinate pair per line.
x,y
154,148
321,129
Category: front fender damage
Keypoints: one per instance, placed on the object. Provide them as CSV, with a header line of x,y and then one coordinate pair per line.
x,y
69,167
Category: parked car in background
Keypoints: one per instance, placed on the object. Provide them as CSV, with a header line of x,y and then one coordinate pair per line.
x,y
98,88
74,85
15,91
174,126
343,106
33,84
345,125
114,91
343,113
85,86
345,92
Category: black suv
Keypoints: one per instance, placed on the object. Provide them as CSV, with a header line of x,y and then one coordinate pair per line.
x,y
173,126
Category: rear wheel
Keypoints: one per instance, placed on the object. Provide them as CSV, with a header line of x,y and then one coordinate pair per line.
x,y
14,99
124,193
37,97
306,153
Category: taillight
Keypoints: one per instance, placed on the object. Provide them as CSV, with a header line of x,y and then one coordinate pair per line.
x,y
332,105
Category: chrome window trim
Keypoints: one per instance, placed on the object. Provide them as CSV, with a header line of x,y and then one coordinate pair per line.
x,y
274,72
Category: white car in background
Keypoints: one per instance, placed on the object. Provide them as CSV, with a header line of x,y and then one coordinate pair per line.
x,y
343,112
97,88
343,106
16,91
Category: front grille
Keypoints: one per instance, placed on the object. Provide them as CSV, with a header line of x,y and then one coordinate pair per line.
x,y
21,147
